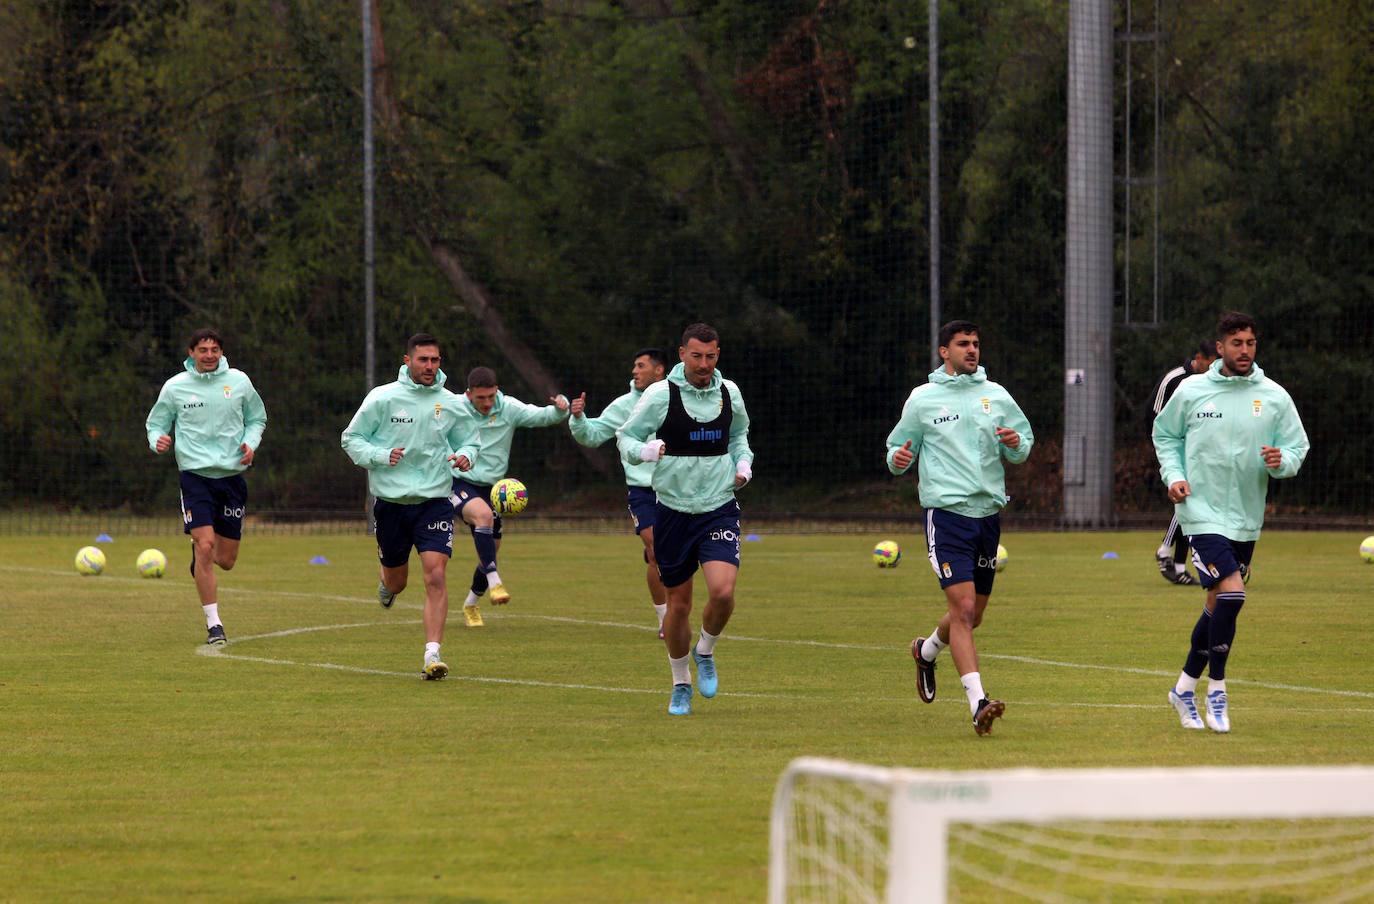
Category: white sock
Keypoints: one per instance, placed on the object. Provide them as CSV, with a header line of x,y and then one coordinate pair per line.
x,y
211,614
973,689
493,578
660,609
682,673
706,644
431,649
930,650
1213,686
471,600
1184,684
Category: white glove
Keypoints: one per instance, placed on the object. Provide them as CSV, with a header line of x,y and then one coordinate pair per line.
x,y
652,450
743,469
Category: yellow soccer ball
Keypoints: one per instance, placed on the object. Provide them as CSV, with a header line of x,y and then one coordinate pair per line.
x,y
1367,550
90,560
1001,557
887,554
509,497
152,563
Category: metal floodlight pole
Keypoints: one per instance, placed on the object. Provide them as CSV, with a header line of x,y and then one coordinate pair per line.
x,y
933,65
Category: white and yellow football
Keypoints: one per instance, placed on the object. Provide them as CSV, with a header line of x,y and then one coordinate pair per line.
x,y
152,563
90,561
887,554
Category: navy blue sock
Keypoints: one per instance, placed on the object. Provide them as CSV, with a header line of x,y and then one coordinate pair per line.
x,y
1198,653
479,581
1223,632
486,547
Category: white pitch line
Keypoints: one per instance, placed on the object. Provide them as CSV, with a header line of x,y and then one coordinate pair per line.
x,y
878,648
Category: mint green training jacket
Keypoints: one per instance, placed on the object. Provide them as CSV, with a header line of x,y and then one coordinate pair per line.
x,y
593,431
497,430
1210,434
688,484
950,422
213,413
428,422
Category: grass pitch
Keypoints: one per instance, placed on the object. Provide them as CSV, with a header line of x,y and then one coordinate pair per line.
x,y
307,760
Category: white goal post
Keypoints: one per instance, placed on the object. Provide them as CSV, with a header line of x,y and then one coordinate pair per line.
x,y
844,831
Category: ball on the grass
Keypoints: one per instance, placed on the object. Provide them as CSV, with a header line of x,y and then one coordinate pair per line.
x,y
887,554
90,560
1367,549
152,563
1001,557
509,496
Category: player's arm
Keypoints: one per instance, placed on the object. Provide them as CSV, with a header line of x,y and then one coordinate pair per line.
x,y
593,431
1168,435
358,437
1016,421
1290,441
906,436
465,439
523,414
254,423
740,452
643,422
160,420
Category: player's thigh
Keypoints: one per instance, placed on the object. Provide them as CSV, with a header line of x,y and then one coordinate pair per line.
x,y
394,524
203,536
435,565
720,579
226,551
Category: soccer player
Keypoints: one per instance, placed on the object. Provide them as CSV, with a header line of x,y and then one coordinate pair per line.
x,y
497,416
700,442
648,369
409,435
1219,440
218,418
1172,554
960,425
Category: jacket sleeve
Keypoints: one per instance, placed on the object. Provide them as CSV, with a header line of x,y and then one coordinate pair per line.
x,y
523,414
908,428
593,431
642,423
1017,421
254,417
464,437
160,418
357,438
1168,434
739,428
1291,440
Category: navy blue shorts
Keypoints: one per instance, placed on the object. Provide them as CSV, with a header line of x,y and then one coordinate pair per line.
x,y
218,501
427,526
641,504
465,492
963,548
683,541
1215,557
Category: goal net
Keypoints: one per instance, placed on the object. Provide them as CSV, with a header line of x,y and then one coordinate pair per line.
x,y
845,832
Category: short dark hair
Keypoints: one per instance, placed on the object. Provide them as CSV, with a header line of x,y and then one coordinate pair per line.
x,y
1234,322
701,332
481,378
956,326
202,334
653,354
422,339
1207,348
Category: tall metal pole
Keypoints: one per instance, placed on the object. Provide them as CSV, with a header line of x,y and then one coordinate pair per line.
x,y
933,65
369,235
1088,422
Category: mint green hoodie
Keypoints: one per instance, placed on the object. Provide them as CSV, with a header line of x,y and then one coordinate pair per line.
x,y
429,422
497,430
1210,434
688,483
950,422
214,414
593,431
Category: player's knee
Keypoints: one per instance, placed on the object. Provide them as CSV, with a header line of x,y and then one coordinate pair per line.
x,y
226,562
205,549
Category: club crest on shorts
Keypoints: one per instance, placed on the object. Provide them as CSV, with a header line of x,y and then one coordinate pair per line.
x,y
949,572
1212,570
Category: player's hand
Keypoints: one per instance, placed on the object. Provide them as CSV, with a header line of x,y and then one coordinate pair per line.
x,y
1179,491
578,405
247,455
652,450
164,443
396,455
1008,437
903,457
561,401
460,462
1272,456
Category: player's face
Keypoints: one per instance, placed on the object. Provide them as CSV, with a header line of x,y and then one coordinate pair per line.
x,y
1237,352
424,361
483,398
206,353
645,372
961,355
1201,363
699,360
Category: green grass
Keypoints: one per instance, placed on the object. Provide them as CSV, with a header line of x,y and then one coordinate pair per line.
x,y
317,766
